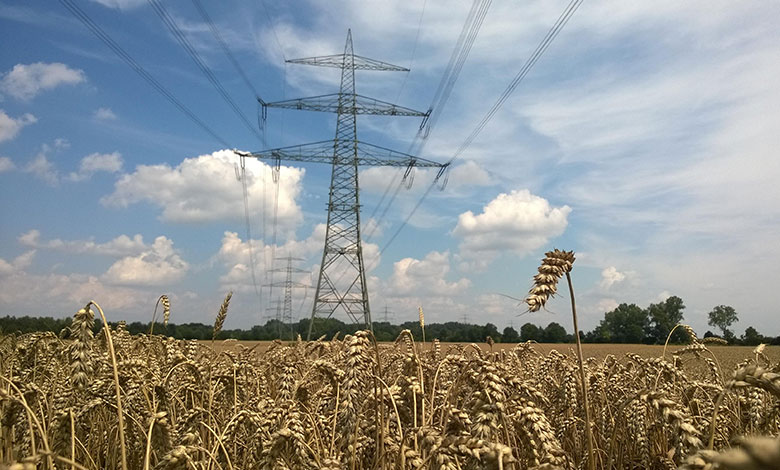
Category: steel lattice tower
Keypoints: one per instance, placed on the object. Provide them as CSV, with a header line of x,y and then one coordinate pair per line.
x,y
341,285
286,315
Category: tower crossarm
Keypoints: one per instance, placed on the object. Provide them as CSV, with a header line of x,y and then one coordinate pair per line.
x,y
322,152
355,104
293,285
355,62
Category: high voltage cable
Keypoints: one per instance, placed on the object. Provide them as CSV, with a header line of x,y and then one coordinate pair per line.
x,y
128,59
277,184
249,232
247,220
543,45
273,29
398,96
414,52
551,35
82,16
170,23
278,179
460,53
223,45
478,13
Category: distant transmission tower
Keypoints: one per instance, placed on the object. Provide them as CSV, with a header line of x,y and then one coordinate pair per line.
x,y
276,315
286,313
341,286
387,314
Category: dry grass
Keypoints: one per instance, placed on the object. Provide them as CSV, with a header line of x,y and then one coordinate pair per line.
x,y
354,404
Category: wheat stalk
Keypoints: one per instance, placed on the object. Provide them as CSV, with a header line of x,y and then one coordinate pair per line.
x,y
422,322
355,403
221,315
166,303
555,264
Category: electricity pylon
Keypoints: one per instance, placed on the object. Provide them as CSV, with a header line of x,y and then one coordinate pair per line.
x,y
288,284
276,308
341,285
388,314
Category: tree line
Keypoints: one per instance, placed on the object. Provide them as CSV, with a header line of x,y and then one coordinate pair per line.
x,y
628,323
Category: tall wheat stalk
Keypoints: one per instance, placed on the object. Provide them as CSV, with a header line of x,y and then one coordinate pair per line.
x,y
166,304
221,315
422,322
555,264
119,413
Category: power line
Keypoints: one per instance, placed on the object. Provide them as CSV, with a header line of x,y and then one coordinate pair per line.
x,y
128,59
277,184
540,49
398,96
252,268
460,53
223,45
414,52
245,78
273,29
170,23
277,179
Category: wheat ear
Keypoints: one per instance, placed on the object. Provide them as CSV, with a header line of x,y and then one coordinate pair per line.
x,y
221,315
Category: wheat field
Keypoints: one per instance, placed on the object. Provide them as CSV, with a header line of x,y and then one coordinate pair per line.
x,y
116,401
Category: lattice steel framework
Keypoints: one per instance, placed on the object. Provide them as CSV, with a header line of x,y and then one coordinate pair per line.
x,y
288,285
341,285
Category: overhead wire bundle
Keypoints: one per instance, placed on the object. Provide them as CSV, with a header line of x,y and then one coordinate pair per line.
x,y
168,20
170,23
460,53
82,16
529,63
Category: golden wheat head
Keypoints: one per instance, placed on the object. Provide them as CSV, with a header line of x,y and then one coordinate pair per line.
x,y
221,315
555,264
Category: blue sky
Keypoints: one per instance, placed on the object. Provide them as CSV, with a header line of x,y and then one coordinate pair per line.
x,y
645,139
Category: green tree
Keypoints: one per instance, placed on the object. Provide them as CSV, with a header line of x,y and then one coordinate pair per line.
x,y
530,332
626,324
490,330
555,333
663,317
723,316
510,335
752,337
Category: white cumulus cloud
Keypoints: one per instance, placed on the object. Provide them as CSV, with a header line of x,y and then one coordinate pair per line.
x,y
95,162
415,276
160,264
204,188
611,276
10,127
42,168
519,221
26,81
18,264
606,305
55,294
120,246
